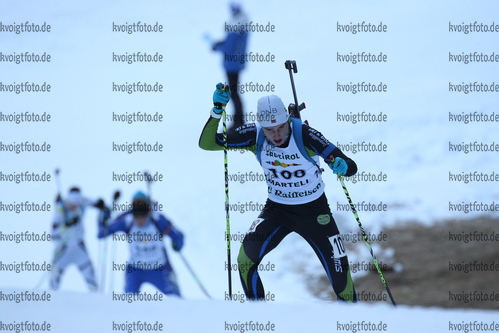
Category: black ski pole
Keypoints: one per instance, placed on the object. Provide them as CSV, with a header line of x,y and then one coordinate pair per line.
x,y
194,275
149,180
113,244
226,170
116,196
58,183
364,236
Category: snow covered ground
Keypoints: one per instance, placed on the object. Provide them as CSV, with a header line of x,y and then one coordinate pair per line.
x,y
417,133
76,312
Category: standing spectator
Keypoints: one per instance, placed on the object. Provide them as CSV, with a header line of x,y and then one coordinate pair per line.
x,y
233,49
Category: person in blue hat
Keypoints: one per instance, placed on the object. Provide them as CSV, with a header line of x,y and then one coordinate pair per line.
x,y
145,228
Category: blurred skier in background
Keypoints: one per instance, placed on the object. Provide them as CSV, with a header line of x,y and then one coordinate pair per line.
x,y
233,49
68,233
145,228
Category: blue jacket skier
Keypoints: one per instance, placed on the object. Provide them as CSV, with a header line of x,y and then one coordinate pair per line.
x,y
148,261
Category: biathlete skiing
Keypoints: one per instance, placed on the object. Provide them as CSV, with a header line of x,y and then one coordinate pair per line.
x,y
144,228
288,151
68,234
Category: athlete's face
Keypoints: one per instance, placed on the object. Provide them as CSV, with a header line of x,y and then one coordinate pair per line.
x,y
277,134
140,220
73,207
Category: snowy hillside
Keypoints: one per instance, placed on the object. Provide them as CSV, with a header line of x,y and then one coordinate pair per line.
x,y
97,313
417,164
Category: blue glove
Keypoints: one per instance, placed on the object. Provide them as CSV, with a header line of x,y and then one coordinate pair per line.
x,y
339,166
177,239
221,97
